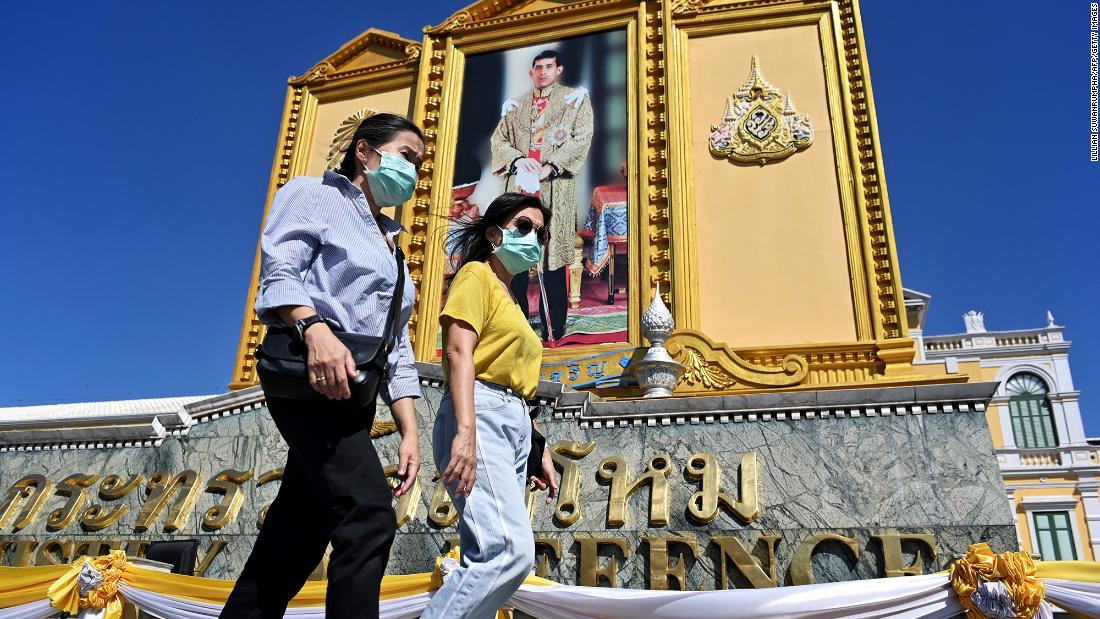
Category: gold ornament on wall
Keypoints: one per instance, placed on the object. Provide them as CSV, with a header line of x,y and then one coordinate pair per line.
x,y
342,138
760,123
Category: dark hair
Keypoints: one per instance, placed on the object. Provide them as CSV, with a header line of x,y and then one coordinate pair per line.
x,y
548,53
467,239
376,129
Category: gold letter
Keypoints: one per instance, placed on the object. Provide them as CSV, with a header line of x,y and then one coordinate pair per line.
x,y
96,548
34,489
407,504
442,512
72,487
659,569
97,517
542,566
267,477
618,471
892,561
227,483
162,485
703,505
46,552
802,565
216,548
590,560
731,548
24,549
568,509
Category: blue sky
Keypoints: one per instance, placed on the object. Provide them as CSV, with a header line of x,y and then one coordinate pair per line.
x,y
139,140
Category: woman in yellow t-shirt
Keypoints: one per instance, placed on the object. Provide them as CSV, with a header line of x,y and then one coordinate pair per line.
x,y
482,435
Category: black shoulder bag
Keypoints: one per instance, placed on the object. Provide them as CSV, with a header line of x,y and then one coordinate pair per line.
x,y
281,357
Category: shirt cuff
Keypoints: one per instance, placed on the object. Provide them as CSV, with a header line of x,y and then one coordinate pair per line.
x,y
276,294
401,387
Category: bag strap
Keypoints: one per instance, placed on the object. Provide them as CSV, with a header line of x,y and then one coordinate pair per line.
x,y
392,326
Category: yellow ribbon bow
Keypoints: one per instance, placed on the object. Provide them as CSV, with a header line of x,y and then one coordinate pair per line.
x,y
1015,570
100,577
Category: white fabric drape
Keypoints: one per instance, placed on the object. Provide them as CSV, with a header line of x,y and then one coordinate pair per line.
x,y
904,598
31,610
1080,597
913,597
171,607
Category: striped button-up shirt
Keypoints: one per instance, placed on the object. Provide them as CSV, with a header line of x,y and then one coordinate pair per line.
x,y
322,248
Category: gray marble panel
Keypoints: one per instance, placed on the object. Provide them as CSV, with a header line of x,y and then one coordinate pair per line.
x,y
852,476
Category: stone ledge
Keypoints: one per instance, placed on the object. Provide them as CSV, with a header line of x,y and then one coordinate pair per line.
x,y
796,405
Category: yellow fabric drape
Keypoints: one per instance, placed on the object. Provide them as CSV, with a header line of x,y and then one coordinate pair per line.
x,y
1081,571
1016,570
22,585
64,593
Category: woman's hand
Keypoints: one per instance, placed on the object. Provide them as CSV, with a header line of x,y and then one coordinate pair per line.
x,y
330,363
548,478
462,467
408,458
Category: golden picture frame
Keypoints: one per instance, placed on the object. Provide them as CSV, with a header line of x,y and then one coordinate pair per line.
x,y
449,46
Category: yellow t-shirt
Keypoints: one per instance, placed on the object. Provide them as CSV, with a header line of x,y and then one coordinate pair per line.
x,y
508,352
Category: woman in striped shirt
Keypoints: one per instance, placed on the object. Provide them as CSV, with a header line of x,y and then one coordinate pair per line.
x,y
329,260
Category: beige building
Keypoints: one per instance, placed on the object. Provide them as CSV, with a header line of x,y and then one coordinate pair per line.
x,y
1051,470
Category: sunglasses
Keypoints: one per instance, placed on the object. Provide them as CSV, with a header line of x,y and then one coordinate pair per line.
x,y
524,226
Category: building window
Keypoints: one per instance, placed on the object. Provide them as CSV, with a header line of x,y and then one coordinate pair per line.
x,y
1032,423
1055,536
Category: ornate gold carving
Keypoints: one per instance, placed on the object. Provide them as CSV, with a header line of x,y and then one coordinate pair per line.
x,y
96,517
378,429
590,570
703,505
873,197
618,472
32,492
162,486
490,13
74,487
802,567
441,511
656,131
227,483
893,562
714,367
408,502
659,570
731,548
341,138
568,508
329,69
264,478
760,123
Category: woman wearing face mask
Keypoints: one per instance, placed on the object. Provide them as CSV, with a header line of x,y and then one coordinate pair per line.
x,y
330,261
482,433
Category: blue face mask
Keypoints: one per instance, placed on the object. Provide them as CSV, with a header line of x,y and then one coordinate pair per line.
x,y
518,252
393,181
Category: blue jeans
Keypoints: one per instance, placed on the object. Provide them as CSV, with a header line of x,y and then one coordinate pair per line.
x,y
498,548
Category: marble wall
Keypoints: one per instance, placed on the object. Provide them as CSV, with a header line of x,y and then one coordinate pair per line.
x,y
856,477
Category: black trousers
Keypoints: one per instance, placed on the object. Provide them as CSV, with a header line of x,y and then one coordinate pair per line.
x,y
557,297
333,489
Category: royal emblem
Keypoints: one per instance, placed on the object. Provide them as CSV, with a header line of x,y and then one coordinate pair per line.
x,y
558,135
760,123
